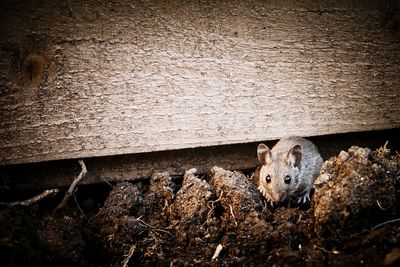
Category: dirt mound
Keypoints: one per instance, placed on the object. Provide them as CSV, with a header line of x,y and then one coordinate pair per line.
x,y
354,192
220,219
193,214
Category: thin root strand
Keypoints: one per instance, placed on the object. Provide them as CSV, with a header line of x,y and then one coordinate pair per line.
x,y
72,187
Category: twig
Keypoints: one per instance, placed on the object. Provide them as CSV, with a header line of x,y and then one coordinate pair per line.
x,y
33,200
72,187
129,255
390,221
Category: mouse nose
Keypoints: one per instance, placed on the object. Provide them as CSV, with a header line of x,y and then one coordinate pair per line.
x,y
277,196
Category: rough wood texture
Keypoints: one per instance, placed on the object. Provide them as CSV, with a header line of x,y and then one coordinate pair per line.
x,y
93,78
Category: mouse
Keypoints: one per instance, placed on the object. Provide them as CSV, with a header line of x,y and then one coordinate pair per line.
x,y
288,170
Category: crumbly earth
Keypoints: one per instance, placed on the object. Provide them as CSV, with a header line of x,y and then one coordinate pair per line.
x,y
175,221
354,191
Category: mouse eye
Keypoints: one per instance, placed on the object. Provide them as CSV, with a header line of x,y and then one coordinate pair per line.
x,y
287,179
268,178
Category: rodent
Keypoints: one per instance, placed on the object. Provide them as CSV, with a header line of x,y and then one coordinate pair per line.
x,y
288,170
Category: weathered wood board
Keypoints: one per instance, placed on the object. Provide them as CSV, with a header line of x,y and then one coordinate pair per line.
x,y
95,78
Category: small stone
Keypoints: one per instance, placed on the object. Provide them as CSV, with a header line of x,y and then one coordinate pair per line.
x,y
323,178
343,155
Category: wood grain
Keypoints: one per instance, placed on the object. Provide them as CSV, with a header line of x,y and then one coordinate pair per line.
x,y
141,76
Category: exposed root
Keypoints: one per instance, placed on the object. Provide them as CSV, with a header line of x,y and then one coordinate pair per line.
x,y
33,200
128,256
299,220
152,227
264,207
72,187
106,181
383,150
233,215
379,205
79,207
327,251
390,221
209,214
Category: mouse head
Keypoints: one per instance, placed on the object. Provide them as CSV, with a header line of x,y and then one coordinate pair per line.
x,y
279,172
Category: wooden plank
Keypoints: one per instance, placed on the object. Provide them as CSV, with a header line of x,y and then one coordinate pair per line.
x,y
91,78
124,167
54,174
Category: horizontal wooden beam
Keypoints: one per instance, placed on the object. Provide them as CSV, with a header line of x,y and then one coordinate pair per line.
x,y
47,175
92,78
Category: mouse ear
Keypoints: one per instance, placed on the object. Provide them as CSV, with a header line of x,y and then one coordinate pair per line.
x,y
294,156
264,154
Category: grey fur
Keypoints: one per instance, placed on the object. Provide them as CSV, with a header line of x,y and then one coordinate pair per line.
x,y
276,164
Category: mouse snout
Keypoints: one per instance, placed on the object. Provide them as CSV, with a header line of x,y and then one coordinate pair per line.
x,y
277,196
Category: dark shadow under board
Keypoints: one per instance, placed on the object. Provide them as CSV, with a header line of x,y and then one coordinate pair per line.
x,y
45,175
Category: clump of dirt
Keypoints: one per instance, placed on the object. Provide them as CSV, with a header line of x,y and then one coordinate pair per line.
x,y
354,192
132,223
194,220
219,219
243,215
158,199
193,214
114,224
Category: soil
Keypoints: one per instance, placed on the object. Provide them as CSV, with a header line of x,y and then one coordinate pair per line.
x,y
181,221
